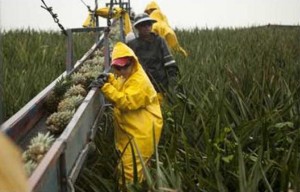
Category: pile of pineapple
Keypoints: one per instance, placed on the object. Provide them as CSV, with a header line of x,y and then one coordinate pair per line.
x,y
69,93
62,102
38,147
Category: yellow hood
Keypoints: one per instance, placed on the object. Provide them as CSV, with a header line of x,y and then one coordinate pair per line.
x,y
157,15
122,50
152,5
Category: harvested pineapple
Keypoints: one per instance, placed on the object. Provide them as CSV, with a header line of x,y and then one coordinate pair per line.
x,y
86,67
30,167
62,86
51,102
38,147
57,122
53,98
75,90
78,78
70,103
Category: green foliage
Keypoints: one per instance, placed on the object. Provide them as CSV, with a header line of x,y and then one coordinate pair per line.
x,y
242,81
32,60
234,124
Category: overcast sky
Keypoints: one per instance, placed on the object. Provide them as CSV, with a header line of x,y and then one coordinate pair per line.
x,y
181,13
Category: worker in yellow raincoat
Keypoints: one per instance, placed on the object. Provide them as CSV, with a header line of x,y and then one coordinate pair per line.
x,y
162,27
104,12
153,7
137,110
12,172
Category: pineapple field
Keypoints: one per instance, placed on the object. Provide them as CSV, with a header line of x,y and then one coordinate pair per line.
x,y
233,124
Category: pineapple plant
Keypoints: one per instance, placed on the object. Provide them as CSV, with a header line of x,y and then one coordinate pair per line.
x,y
70,103
57,121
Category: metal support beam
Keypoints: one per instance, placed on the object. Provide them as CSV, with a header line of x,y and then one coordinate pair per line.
x,y
70,46
69,60
106,51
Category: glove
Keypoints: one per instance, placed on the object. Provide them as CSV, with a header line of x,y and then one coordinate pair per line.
x,y
104,77
97,83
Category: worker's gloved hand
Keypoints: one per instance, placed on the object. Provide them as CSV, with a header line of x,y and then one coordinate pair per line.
x,y
104,77
97,83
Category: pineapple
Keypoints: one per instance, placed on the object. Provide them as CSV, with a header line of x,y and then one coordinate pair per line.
x,y
75,90
30,167
62,85
51,102
53,98
88,62
57,122
70,103
78,78
38,147
97,52
86,67
98,60
25,156
97,68
91,76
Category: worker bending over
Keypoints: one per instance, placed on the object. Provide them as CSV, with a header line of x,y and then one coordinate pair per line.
x,y
137,113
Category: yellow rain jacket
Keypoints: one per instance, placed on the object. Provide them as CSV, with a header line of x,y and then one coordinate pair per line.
x,y
12,172
165,31
136,111
117,12
152,7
